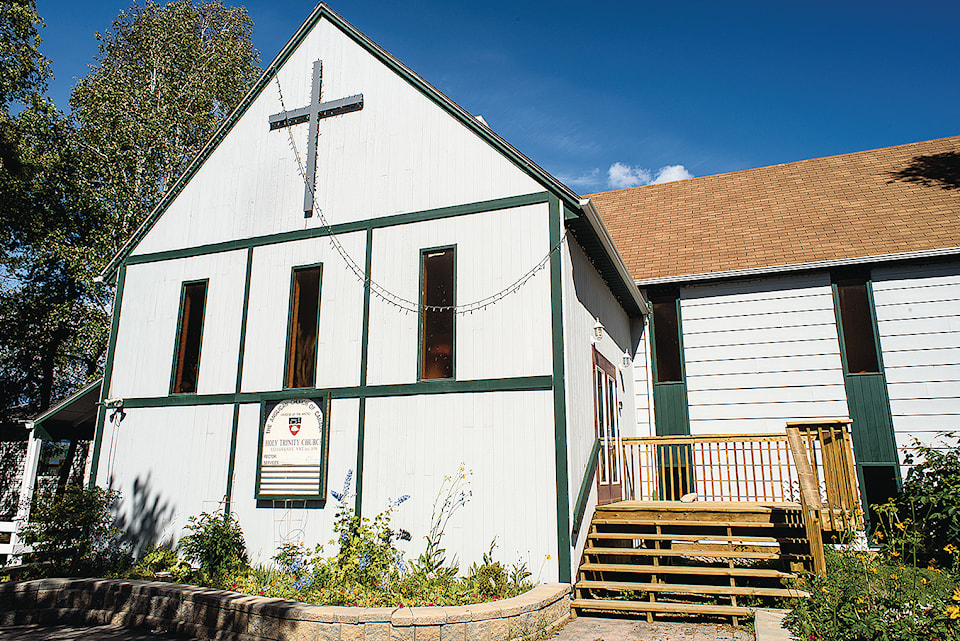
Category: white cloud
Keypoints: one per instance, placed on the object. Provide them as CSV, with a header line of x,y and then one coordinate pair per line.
x,y
621,176
671,173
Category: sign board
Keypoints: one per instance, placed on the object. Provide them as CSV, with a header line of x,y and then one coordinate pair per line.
x,y
292,448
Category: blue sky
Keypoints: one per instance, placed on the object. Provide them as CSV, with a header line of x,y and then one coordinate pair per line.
x,y
610,94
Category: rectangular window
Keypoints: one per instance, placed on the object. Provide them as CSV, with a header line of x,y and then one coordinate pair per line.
x,y
858,338
193,298
666,337
303,328
437,313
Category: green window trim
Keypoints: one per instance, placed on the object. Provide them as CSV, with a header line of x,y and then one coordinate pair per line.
x,y
420,317
182,324
287,382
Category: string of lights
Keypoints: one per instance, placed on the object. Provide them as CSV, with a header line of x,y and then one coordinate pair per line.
x,y
382,292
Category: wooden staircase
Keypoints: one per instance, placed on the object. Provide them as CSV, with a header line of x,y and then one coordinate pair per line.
x,y
700,558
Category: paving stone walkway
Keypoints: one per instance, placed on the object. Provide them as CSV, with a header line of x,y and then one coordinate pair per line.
x,y
597,629
95,633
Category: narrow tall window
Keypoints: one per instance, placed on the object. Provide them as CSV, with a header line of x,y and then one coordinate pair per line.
x,y
304,323
666,338
858,337
437,313
187,359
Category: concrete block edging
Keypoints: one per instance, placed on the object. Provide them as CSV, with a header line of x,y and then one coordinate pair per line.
x,y
222,615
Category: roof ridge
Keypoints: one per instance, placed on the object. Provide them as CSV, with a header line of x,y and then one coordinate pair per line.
x,y
782,164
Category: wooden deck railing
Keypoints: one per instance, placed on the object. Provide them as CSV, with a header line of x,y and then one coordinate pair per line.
x,y
750,467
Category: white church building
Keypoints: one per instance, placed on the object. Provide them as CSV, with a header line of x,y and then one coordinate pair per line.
x,y
357,275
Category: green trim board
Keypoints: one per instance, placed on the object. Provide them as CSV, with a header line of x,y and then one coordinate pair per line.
x,y
480,207
178,338
585,485
107,375
868,401
671,409
290,321
364,355
559,395
475,386
232,461
453,347
266,406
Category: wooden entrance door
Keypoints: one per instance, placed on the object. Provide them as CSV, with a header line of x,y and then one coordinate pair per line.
x,y
607,429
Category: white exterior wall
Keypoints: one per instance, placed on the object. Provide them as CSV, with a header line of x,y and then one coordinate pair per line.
x,y
586,298
504,438
341,313
169,463
147,333
493,250
400,153
759,353
918,317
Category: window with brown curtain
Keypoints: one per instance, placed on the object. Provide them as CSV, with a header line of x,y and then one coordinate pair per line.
x,y
859,340
304,324
437,313
186,370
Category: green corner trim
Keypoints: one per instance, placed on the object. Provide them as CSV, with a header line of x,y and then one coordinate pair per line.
x,y
107,375
559,396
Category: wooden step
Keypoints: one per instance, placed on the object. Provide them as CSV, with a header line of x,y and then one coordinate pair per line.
x,y
683,588
720,554
659,606
689,537
693,523
765,573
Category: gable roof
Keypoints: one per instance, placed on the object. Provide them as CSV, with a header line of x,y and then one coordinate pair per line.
x,y
609,263
870,206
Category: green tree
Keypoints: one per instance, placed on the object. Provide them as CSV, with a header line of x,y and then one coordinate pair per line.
x,y
166,76
73,188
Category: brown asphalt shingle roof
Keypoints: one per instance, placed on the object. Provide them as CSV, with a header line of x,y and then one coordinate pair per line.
x,y
884,201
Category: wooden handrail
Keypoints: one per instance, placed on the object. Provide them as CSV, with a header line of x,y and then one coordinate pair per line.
x,y
584,495
809,498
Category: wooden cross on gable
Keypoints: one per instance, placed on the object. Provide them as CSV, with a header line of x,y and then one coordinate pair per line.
x,y
312,113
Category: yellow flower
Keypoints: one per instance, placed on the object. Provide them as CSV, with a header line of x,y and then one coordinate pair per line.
x,y
901,526
950,548
894,553
874,570
953,611
893,576
878,536
956,594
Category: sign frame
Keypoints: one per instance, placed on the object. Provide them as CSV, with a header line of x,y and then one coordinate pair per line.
x,y
266,407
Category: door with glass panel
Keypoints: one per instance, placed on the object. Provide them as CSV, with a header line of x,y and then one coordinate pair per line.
x,y
607,429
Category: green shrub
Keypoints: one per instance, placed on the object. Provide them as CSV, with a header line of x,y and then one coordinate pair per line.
x,y
924,519
216,544
161,558
75,534
863,598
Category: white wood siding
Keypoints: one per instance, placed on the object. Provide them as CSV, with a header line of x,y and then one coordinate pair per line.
x,y
341,313
918,317
493,250
643,385
400,153
759,353
587,298
505,439
147,333
266,529
169,463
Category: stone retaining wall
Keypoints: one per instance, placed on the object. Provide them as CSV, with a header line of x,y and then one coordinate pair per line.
x,y
229,616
